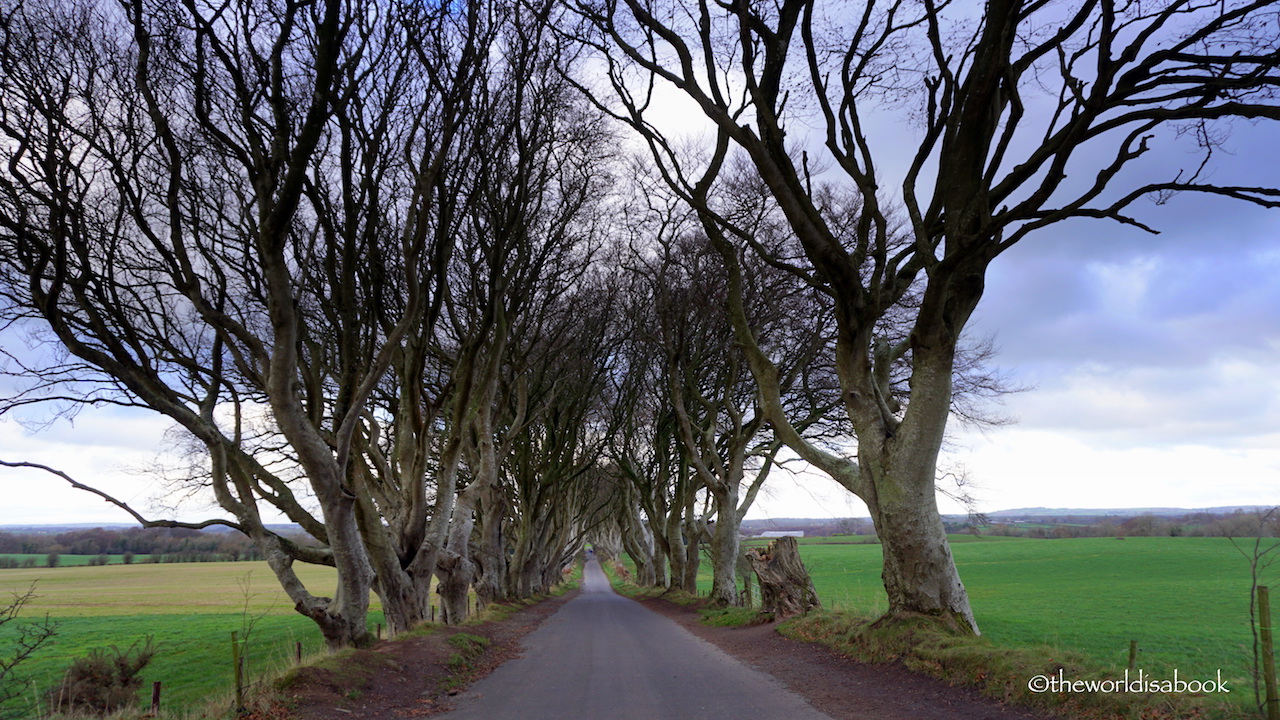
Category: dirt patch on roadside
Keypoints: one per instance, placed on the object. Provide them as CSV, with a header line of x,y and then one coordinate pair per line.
x,y
839,686
408,677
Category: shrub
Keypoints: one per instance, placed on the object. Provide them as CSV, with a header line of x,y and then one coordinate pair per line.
x,y
104,681
51,560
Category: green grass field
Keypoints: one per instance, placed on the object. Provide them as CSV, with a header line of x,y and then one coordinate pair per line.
x,y
1185,600
871,540
189,609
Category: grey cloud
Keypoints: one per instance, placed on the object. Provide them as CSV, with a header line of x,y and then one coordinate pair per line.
x,y
1053,305
1226,404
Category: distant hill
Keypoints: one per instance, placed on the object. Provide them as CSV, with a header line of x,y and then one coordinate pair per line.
x,y
1119,512
63,527
862,525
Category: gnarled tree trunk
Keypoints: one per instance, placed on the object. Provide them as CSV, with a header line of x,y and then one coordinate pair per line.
x,y
724,545
785,586
455,568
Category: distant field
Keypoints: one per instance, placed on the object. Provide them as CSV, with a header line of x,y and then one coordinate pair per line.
x,y
190,609
70,560
828,540
871,540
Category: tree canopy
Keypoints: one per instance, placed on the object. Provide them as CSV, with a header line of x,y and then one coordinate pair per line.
x,y
395,274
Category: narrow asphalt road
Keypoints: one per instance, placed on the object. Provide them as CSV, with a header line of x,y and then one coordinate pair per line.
x,y
605,657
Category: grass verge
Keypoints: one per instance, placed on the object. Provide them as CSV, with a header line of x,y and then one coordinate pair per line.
x,y
936,647
462,664
441,660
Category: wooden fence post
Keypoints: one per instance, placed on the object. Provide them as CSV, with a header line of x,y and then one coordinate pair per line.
x,y
239,670
155,698
298,652
1268,656
1133,655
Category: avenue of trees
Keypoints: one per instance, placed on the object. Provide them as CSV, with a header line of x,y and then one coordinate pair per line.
x,y
441,284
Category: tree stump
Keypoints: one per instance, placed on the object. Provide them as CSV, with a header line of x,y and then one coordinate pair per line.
x,y
785,586
745,573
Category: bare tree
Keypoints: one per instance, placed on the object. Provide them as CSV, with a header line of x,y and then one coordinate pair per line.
x,y
644,452
527,244
122,194
706,394
304,234
337,287
25,640
554,479
710,394
1261,549
1001,107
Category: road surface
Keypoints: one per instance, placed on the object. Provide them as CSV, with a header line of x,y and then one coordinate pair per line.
x,y
603,656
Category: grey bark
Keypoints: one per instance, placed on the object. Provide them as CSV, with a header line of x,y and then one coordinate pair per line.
x,y
785,586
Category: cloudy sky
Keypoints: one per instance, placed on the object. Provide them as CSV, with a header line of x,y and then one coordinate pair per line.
x,y
1153,363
